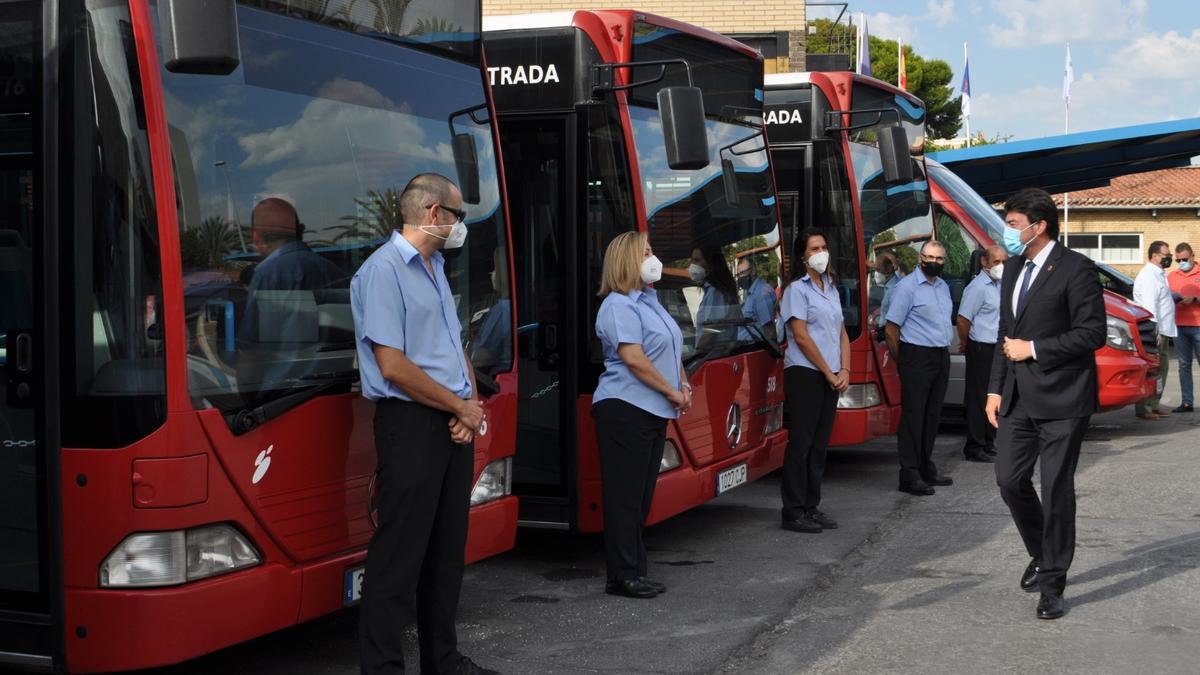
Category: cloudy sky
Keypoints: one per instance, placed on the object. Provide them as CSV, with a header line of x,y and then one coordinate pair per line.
x,y
1135,61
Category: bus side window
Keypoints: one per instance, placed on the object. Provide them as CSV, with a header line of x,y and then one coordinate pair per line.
x,y
962,253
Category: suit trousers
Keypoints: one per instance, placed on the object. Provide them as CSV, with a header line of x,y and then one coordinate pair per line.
x,y
631,450
811,406
1046,525
981,435
415,558
924,373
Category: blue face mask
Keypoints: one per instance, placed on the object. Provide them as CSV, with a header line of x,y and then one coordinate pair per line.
x,y
1012,241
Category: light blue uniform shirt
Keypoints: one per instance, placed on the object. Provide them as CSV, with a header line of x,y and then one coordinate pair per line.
x,y
714,306
759,307
822,310
396,303
981,306
888,287
638,318
922,309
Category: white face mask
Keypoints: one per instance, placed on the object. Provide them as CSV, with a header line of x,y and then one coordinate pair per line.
x,y
651,270
819,261
996,271
456,238
880,278
697,273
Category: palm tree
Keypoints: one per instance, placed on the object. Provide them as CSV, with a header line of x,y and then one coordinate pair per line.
x,y
214,238
379,214
434,26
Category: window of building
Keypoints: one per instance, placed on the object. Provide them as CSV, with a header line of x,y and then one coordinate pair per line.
x,y
1107,247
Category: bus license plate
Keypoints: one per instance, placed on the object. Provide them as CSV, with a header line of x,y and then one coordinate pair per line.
x,y
352,591
731,478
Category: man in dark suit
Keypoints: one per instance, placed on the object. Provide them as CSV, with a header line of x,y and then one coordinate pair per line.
x,y
1043,386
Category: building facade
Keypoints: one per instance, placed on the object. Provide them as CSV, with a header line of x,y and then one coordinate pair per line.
x,y
773,27
1115,224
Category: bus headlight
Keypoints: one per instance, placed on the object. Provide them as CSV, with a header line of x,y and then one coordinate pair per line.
x,y
774,419
859,396
149,559
1117,334
670,458
495,482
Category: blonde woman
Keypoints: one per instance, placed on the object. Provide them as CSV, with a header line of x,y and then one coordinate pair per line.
x,y
642,387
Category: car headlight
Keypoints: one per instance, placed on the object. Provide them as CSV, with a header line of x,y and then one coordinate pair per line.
x,y
670,458
149,559
859,396
1117,334
494,482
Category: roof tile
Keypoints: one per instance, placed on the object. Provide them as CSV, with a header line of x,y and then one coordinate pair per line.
x,y
1165,187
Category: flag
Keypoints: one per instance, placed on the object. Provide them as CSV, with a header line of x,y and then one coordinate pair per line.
x,y
966,85
864,47
1068,77
901,69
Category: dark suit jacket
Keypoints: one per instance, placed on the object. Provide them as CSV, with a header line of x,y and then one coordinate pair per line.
x,y
1063,314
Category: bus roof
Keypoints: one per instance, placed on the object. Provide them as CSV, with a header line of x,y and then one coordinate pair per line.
x,y
786,80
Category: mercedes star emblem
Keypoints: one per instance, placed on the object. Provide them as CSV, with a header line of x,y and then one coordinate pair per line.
x,y
733,425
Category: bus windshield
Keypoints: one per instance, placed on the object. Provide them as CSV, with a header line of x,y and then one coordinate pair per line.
x,y
963,195
335,125
721,257
904,209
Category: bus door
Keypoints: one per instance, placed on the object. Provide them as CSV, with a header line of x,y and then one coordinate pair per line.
x,y
540,165
25,605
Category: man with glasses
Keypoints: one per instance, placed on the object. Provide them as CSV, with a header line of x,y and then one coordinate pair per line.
x,y
1185,288
758,304
919,330
1150,290
427,412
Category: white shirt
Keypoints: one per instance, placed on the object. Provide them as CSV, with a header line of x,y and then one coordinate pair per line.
x,y
1039,261
1150,290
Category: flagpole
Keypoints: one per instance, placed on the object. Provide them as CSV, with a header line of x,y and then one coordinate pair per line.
x,y
1067,130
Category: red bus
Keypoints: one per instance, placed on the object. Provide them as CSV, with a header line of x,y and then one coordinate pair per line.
x,y
1126,365
841,147
187,462
587,140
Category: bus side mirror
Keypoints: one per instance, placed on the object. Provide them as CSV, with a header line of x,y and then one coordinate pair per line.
x,y
684,130
200,37
893,153
466,164
729,181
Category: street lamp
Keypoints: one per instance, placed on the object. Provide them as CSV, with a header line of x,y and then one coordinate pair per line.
x,y
229,188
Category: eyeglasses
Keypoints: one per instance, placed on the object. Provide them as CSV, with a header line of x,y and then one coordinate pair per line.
x,y
457,213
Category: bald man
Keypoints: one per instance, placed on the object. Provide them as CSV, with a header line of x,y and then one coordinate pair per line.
x,y
977,324
281,325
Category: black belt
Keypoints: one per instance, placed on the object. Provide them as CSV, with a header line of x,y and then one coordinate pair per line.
x,y
912,346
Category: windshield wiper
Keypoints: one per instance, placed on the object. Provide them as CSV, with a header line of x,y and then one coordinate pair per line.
x,y
248,418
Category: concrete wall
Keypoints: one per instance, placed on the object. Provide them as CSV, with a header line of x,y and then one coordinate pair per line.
x,y
721,16
1172,225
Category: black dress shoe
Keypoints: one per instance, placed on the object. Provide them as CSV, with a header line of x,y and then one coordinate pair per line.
x,y
802,524
630,588
979,456
819,517
466,666
1051,606
1029,576
991,452
1186,407
917,487
658,587
940,480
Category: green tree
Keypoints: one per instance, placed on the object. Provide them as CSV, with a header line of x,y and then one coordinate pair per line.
x,y
928,80
978,138
766,262
208,243
378,215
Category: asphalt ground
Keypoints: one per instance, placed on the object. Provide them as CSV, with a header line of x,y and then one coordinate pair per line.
x,y
906,584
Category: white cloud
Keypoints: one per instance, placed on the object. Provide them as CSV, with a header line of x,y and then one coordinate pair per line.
x,y
1037,22
1167,56
940,12
892,27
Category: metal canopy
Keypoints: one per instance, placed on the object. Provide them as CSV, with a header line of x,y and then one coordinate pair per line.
x,y
1074,161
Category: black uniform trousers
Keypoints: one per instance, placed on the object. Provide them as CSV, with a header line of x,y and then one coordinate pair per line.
x,y
1047,525
631,450
924,373
811,406
415,559
981,435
